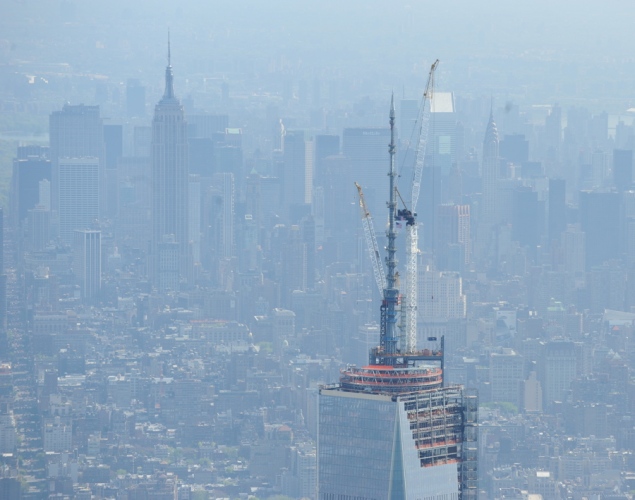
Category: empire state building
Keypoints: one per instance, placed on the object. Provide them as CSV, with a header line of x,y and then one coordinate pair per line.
x,y
169,189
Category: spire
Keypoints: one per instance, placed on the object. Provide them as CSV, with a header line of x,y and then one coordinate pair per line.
x,y
169,78
392,106
491,133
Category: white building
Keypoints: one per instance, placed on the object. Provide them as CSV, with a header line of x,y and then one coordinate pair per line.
x,y
78,195
57,436
87,261
440,295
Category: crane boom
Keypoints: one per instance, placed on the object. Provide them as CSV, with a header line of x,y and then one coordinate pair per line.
x,y
410,299
371,242
423,137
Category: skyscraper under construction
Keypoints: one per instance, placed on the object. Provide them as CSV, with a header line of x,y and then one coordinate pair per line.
x,y
391,429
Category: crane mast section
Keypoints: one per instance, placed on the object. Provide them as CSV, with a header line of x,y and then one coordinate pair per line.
x,y
409,302
411,298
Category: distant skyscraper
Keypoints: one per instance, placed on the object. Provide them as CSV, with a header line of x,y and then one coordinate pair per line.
x,y
325,146
440,295
600,220
194,217
224,184
294,175
135,99
87,262
453,236
39,228
113,142
489,207
29,167
557,220
365,150
506,376
78,195
75,132
170,175
573,249
622,169
558,369
441,150
528,216
442,308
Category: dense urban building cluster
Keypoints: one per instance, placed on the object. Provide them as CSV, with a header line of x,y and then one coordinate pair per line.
x,y
187,303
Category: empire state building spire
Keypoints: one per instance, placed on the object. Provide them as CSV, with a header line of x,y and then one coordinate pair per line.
x,y
169,78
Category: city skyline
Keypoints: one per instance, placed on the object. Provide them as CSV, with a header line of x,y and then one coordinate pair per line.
x,y
216,280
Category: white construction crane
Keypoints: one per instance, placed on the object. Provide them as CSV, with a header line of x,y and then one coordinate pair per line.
x,y
409,299
371,242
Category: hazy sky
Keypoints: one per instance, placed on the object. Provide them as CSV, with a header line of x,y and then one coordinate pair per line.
x,y
538,48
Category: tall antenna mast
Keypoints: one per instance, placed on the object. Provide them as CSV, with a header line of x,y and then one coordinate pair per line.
x,y
387,353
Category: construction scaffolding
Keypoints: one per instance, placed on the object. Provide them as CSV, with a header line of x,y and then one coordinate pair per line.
x,y
444,423
385,379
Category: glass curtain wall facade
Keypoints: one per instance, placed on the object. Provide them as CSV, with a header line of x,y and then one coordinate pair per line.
x,y
412,446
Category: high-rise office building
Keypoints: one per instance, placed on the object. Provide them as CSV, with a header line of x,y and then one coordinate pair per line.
x,y
600,220
113,152
557,370
169,176
453,240
573,250
489,211
365,151
30,166
441,151
557,219
194,217
75,132
528,214
295,172
224,186
506,374
39,233
391,429
442,307
325,146
78,195
622,169
87,262
440,295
